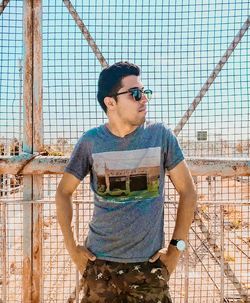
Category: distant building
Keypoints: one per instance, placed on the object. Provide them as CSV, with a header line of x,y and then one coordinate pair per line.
x,y
201,135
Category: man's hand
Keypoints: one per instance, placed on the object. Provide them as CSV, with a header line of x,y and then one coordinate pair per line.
x,y
169,257
80,256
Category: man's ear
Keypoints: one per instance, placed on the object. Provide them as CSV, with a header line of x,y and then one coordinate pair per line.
x,y
110,103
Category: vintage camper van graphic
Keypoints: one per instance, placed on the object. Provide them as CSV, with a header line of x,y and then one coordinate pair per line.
x,y
128,175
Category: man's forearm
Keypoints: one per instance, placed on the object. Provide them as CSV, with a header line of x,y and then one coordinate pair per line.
x,y
185,215
64,216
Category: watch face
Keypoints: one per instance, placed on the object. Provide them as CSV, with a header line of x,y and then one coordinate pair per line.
x,y
181,245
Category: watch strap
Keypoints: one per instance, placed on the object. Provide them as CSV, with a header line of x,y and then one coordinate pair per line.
x,y
174,242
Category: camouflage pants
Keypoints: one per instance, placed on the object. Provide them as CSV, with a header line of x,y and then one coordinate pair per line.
x,y
111,282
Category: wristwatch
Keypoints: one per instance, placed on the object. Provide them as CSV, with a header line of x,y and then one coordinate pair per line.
x,y
179,244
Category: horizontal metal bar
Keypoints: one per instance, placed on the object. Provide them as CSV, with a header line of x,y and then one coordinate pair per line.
x,y
225,167
38,165
168,202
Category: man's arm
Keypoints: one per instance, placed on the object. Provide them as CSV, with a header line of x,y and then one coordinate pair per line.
x,y
64,210
183,183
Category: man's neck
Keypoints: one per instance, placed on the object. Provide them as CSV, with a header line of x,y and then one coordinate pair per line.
x,y
121,131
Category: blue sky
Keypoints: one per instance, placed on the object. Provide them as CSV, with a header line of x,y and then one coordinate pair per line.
x,y
177,44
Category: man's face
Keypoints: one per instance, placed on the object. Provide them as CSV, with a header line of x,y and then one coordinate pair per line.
x,y
128,110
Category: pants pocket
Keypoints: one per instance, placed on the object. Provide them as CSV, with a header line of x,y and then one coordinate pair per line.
x,y
164,270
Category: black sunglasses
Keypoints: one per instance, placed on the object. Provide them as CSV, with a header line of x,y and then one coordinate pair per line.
x,y
137,93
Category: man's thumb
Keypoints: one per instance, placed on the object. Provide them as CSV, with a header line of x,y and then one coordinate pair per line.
x,y
154,258
89,254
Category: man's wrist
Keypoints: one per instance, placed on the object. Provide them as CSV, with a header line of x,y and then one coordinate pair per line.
x,y
179,244
172,251
71,246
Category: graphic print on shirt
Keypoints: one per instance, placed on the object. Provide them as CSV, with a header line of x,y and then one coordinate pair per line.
x,y
128,175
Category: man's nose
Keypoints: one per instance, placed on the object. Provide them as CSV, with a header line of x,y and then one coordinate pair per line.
x,y
144,98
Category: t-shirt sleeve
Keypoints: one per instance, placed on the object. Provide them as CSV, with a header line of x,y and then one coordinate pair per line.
x,y
79,163
173,154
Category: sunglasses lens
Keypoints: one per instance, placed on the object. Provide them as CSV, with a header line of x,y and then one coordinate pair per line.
x,y
136,94
148,93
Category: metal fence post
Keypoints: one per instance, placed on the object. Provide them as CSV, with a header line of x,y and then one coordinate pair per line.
x,y
33,142
38,147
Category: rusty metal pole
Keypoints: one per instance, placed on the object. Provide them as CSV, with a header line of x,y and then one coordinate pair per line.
x,y
186,273
3,226
33,138
3,6
86,33
28,148
26,164
37,147
77,237
222,280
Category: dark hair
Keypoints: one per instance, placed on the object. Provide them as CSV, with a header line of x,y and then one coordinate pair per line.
x,y
111,77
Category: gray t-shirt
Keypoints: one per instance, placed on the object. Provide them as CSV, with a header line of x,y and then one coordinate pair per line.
x,y
127,177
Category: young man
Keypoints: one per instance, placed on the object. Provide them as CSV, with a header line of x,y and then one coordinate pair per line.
x,y
123,259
